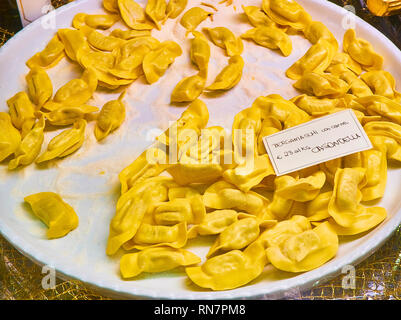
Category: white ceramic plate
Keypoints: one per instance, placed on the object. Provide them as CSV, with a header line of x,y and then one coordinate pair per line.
x,y
88,179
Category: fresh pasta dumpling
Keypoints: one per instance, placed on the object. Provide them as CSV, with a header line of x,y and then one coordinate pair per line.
x,y
322,85
154,260
230,270
305,251
287,13
361,51
318,57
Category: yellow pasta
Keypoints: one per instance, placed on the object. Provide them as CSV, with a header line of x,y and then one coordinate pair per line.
x,y
225,39
151,236
156,62
270,37
361,51
322,85
175,8
22,112
230,270
40,87
133,15
74,93
58,215
10,137
30,146
193,17
156,11
230,76
49,56
287,13
110,118
66,143
305,251
154,260
318,57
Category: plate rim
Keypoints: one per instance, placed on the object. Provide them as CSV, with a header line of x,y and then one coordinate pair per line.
x,y
312,278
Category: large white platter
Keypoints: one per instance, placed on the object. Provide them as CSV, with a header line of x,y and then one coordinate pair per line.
x,y
88,179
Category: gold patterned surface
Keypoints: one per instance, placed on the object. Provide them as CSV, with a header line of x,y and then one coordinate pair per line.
x,y
378,277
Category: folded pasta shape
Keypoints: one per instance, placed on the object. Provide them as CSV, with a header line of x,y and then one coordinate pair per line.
x,y
102,42
58,215
194,17
156,11
287,13
130,56
238,235
305,251
150,163
303,189
361,51
213,223
250,173
175,8
40,87
230,270
270,37
357,86
315,106
110,118
193,119
278,233
95,21
22,112
30,146
154,260
317,209
74,42
190,210
75,92
283,110
317,59
10,137
66,143
200,52
381,106
188,89
345,59
364,220
223,195
129,34
68,115
382,83
225,39
111,6
270,125
151,236
322,85
49,56
345,200
131,209
157,61
230,76
133,15
257,17
316,30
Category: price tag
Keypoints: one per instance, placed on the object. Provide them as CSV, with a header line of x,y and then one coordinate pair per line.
x,y
316,141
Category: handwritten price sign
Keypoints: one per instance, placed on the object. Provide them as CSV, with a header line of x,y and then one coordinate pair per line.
x,y
317,141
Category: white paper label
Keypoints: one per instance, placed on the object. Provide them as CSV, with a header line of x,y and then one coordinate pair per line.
x,y
316,141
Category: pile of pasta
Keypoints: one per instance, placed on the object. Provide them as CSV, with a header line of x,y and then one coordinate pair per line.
x,y
292,222
193,185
